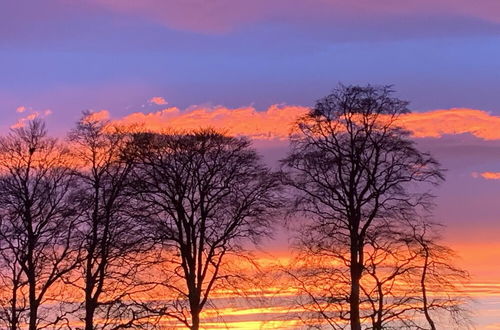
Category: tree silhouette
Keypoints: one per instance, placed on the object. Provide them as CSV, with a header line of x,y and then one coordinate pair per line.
x,y
206,195
38,224
440,281
114,247
353,169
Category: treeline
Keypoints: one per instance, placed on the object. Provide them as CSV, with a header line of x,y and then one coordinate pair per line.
x,y
118,228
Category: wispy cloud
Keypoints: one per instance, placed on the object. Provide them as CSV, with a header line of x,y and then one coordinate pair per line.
x,y
487,175
30,115
226,15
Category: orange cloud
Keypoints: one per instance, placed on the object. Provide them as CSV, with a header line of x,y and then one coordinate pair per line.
x,y
437,123
276,121
98,116
158,100
273,123
21,122
20,109
487,175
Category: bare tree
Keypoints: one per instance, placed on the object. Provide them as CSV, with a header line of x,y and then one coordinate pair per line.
x,y
440,282
353,169
13,299
410,281
36,234
389,287
114,247
207,195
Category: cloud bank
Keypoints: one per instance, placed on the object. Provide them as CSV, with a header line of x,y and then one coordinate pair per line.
x,y
273,123
276,121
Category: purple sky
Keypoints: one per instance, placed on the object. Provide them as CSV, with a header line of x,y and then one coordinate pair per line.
x,y
67,56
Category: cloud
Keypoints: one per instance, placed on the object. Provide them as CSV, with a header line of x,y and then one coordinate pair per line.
x,y
193,15
20,109
487,175
276,121
273,123
437,123
101,115
158,100
225,15
31,115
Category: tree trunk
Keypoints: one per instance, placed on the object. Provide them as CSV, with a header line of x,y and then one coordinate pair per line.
x,y
424,291
31,275
13,324
355,270
90,303
89,315
90,282
14,318
14,321
33,315
380,311
195,319
33,305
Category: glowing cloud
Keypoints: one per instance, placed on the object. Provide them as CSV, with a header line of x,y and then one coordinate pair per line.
x,y
21,122
21,109
276,121
437,123
487,175
158,100
101,115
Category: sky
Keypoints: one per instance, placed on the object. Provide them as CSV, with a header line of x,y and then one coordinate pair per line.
x,y
252,66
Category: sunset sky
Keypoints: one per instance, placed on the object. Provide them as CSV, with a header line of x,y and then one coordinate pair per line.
x,y
252,67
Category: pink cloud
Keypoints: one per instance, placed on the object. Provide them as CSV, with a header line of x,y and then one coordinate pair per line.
x,y
158,100
20,109
194,15
32,115
224,15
